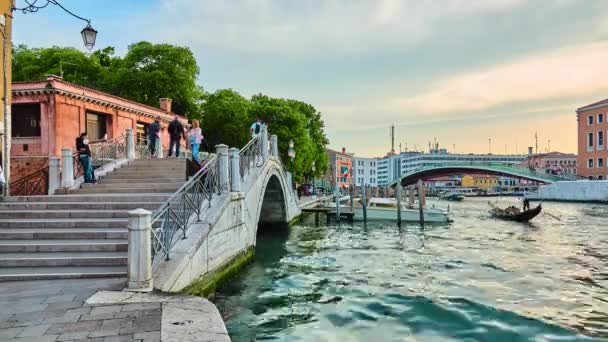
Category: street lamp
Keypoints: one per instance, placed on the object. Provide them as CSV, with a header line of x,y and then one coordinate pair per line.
x,y
291,153
89,35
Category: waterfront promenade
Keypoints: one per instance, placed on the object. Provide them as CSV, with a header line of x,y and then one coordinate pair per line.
x,y
56,310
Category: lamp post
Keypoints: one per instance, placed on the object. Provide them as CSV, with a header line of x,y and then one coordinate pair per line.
x,y
313,168
291,153
89,35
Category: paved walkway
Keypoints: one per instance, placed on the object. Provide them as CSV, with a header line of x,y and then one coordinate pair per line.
x,y
55,310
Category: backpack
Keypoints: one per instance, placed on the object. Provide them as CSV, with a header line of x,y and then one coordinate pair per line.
x,y
257,128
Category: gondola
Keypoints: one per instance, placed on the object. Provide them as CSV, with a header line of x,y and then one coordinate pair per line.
x,y
514,214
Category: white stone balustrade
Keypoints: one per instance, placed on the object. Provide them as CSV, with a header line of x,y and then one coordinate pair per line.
x,y
139,268
264,141
235,174
274,146
67,168
54,175
222,162
130,144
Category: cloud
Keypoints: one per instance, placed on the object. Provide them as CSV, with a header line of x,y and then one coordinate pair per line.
x,y
305,28
566,72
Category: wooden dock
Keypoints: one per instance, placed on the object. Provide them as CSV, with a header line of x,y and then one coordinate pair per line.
x,y
345,213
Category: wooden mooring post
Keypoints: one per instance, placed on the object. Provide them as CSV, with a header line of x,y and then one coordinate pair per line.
x,y
364,202
420,201
398,195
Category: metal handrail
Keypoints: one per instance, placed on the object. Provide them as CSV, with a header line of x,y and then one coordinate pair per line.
x,y
176,214
250,156
35,183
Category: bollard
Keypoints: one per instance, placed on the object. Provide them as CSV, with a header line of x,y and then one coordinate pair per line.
x,y
67,168
264,142
139,268
222,162
130,144
54,175
274,146
235,175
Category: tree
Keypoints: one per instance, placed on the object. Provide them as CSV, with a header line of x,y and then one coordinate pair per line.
x,y
151,71
225,118
146,73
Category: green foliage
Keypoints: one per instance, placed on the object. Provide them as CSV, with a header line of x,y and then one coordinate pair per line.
x,y
226,118
146,73
150,71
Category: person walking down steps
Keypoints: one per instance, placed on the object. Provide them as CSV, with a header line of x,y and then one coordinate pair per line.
x,y
153,136
176,132
196,137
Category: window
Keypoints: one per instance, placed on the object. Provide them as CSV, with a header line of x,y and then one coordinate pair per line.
x,y
600,118
589,163
600,162
590,120
589,141
142,132
96,126
25,120
600,139
600,177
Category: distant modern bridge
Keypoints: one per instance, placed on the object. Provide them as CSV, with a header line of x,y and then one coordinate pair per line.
x,y
495,169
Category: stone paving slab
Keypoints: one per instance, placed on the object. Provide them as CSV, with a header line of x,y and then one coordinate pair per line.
x,y
97,310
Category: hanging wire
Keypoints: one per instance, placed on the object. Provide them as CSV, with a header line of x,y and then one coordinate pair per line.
x,y
33,6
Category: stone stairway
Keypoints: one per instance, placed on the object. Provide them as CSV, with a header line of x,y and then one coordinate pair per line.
x,y
82,234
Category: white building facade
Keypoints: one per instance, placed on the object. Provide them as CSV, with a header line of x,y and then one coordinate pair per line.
x,y
365,171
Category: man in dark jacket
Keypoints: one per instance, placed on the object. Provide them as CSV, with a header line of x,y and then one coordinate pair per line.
x,y
176,132
153,135
84,155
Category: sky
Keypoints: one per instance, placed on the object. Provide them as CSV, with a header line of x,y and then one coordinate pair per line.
x,y
477,75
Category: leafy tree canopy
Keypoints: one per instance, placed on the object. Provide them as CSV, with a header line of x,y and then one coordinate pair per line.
x,y
146,73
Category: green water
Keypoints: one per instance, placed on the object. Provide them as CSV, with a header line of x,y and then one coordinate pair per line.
x,y
477,279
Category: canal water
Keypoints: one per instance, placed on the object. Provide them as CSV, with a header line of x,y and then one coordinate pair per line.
x,y
476,279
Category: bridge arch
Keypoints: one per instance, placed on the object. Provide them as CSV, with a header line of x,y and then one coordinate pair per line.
x,y
495,170
275,199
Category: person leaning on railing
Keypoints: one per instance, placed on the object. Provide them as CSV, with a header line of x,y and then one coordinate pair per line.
x,y
153,134
196,136
84,156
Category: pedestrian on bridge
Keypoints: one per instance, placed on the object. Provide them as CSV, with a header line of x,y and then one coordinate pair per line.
x,y
255,128
84,156
196,137
176,132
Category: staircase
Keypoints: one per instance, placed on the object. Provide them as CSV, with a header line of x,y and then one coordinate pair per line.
x,y
82,234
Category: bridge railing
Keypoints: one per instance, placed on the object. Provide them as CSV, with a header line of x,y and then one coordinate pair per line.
x,y
250,156
174,217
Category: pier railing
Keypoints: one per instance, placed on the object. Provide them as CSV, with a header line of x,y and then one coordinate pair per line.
x,y
250,156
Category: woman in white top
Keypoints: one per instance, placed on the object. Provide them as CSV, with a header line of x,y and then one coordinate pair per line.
x,y
195,136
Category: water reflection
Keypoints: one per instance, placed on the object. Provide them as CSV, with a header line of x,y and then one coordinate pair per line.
x,y
477,278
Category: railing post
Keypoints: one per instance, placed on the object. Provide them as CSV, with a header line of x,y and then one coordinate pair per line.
x,y
130,144
159,148
222,162
67,168
235,174
274,146
139,270
54,175
264,137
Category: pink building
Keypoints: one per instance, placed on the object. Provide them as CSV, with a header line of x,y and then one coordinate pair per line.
x,y
48,116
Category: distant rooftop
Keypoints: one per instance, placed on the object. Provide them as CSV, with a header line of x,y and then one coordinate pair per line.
x,y
599,104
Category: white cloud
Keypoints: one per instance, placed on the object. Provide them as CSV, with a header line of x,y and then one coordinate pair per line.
x,y
566,72
303,28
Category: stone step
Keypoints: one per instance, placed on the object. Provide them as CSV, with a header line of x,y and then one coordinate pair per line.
x,y
64,223
144,177
64,245
74,272
161,161
91,198
159,168
133,185
62,233
60,214
125,190
59,259
120,180
79,205
147,173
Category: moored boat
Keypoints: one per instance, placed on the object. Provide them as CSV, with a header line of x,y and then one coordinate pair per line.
x,y
451,196
386,209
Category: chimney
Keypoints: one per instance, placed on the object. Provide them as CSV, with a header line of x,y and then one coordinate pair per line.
x,y
344,150
165,104
530,150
